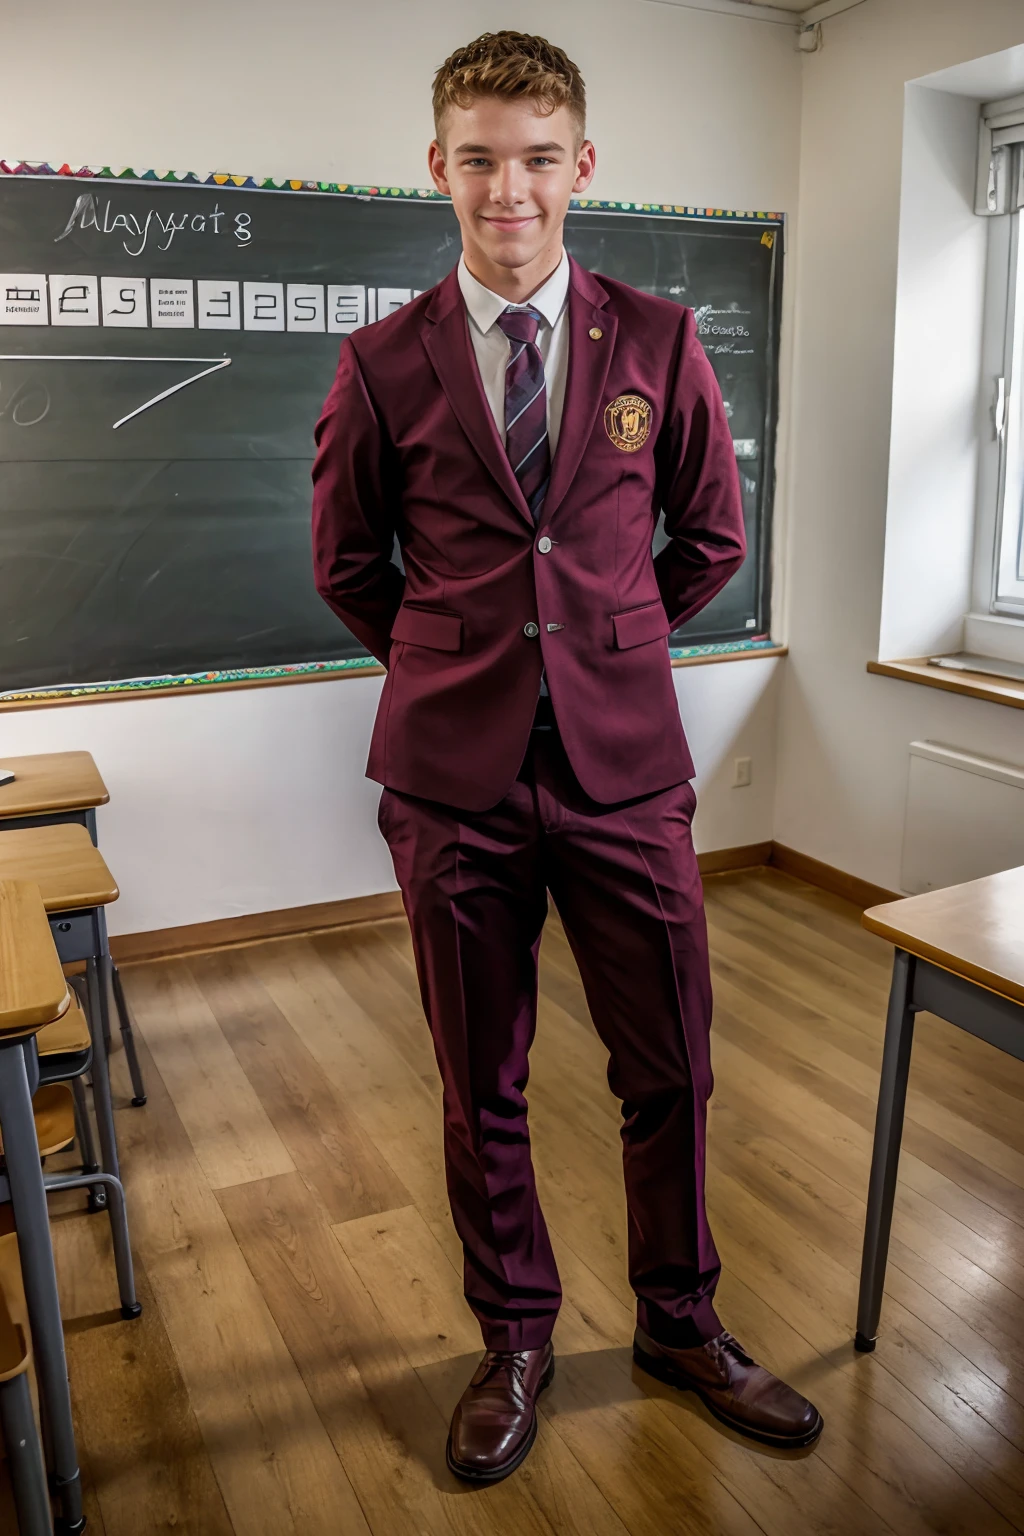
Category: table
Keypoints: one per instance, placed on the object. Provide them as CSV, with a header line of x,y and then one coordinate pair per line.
x,y
54,789
959,953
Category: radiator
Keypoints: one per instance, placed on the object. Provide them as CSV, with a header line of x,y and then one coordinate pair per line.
x,y
964,818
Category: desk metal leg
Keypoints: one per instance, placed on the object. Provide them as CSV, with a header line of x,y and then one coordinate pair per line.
x,y
128,1036
25,1458
885,1156
28,1198
99,1022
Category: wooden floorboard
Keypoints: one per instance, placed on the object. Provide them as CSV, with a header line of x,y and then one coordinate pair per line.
x,y
305,1338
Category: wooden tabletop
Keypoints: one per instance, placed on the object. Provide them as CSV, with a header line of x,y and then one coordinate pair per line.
x,y
32,986
62,861
975,930
51,781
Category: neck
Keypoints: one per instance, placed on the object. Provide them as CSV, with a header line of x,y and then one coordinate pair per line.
x,y
516,284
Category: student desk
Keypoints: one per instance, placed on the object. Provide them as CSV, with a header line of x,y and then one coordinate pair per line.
x,y
32,993
52,789
960,955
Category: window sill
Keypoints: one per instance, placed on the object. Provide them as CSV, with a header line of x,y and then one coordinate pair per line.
x,y
975,685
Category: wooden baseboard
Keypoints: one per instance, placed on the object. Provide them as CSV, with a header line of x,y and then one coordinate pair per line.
x,y
161,943
802,867
719,860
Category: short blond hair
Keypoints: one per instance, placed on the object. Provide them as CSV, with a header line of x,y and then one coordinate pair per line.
x,y
512,66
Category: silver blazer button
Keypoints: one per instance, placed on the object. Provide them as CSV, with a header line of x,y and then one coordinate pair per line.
x,y
531,630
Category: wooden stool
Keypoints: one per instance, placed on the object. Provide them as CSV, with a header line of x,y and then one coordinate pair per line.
x,y
65,1055
960,955
75,885
56,788
17,1421
33,992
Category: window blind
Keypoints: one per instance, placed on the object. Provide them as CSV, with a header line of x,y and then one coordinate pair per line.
x,y
1001,157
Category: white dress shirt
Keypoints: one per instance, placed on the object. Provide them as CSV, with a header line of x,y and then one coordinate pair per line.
x,y
492,348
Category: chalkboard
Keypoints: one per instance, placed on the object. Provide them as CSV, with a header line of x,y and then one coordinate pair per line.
x,y
165,348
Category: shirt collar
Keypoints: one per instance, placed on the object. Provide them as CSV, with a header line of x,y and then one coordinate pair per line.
x,y
484,306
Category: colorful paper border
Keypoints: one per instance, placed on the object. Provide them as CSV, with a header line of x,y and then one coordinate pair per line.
x,y
305,669
346,189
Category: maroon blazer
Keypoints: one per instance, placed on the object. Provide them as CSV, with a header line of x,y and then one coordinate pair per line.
x,y
407,445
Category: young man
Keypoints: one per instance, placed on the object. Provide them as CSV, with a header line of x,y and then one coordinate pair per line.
x,y
519,426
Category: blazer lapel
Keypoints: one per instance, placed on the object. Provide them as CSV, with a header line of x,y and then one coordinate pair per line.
x,y
589,361
446,338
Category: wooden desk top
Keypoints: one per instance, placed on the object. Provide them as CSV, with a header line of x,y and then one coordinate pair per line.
x,y
51,781
975,930
62,861
32,987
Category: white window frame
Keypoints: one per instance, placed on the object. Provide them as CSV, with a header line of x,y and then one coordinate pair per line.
x,y
1007,581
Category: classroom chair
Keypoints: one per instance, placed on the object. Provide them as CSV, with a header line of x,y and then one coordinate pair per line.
x,y
57,789
75,885
17,1420
33,992
63,1048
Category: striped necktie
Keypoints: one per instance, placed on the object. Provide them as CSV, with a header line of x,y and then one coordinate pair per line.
x,y
526,407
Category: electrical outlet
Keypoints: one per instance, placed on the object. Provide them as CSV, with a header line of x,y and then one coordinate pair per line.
x,y
742,772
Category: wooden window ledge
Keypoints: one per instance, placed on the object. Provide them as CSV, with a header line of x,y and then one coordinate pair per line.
x,y
976,685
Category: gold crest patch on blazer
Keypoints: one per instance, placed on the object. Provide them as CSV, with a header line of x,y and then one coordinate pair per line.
x,y
627,422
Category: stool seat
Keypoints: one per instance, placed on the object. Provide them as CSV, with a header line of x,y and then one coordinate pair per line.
x,y
32,986
66,1035
51,781
15,1338
53,1109
69,871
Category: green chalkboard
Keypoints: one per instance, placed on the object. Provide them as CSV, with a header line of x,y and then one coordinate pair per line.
x,y
164,352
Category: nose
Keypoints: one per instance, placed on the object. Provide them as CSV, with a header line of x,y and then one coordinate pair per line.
x,y
507,187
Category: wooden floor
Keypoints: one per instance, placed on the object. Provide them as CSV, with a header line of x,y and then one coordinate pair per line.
x,y
304,1337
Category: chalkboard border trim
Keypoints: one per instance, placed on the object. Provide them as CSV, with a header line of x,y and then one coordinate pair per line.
x,y
313,671
231,182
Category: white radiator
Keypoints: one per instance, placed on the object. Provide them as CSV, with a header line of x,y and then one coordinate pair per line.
x,y
965,818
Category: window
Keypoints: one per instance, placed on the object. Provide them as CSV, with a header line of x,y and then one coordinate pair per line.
x,y
999,583
1008,574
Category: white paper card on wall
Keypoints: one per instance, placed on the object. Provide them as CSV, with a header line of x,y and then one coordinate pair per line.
x,y
124,301
23,298
170,300
305,307
390,299
346,307
74,300
219,306
264,306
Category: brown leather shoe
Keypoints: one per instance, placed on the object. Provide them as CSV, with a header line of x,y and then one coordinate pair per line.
x,y
495,1420
743,1395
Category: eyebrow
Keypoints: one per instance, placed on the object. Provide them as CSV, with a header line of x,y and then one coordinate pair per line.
x,y
531,149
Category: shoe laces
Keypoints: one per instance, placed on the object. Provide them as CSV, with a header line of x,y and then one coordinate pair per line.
x,y
511,1361
727,1344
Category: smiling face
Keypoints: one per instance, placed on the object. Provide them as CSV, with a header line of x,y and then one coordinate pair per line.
x,y
510,169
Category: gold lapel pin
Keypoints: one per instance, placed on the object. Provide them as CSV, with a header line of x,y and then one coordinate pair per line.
x,y
596,334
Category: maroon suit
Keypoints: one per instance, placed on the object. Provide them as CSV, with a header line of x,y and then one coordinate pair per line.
x,y
484,814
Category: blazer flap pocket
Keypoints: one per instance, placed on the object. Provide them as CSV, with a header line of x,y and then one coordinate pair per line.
x,y
434,627
638,625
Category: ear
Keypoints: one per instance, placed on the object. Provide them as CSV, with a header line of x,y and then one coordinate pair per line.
x,y
438,169
586,164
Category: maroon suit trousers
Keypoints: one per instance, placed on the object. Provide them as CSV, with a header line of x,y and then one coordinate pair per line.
x,y
625,884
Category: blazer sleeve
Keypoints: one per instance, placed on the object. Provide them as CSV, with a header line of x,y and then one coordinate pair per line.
x,y
354,497
700,487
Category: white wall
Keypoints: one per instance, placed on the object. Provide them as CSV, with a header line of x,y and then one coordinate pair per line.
x,y
844,734
254,799
933,450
